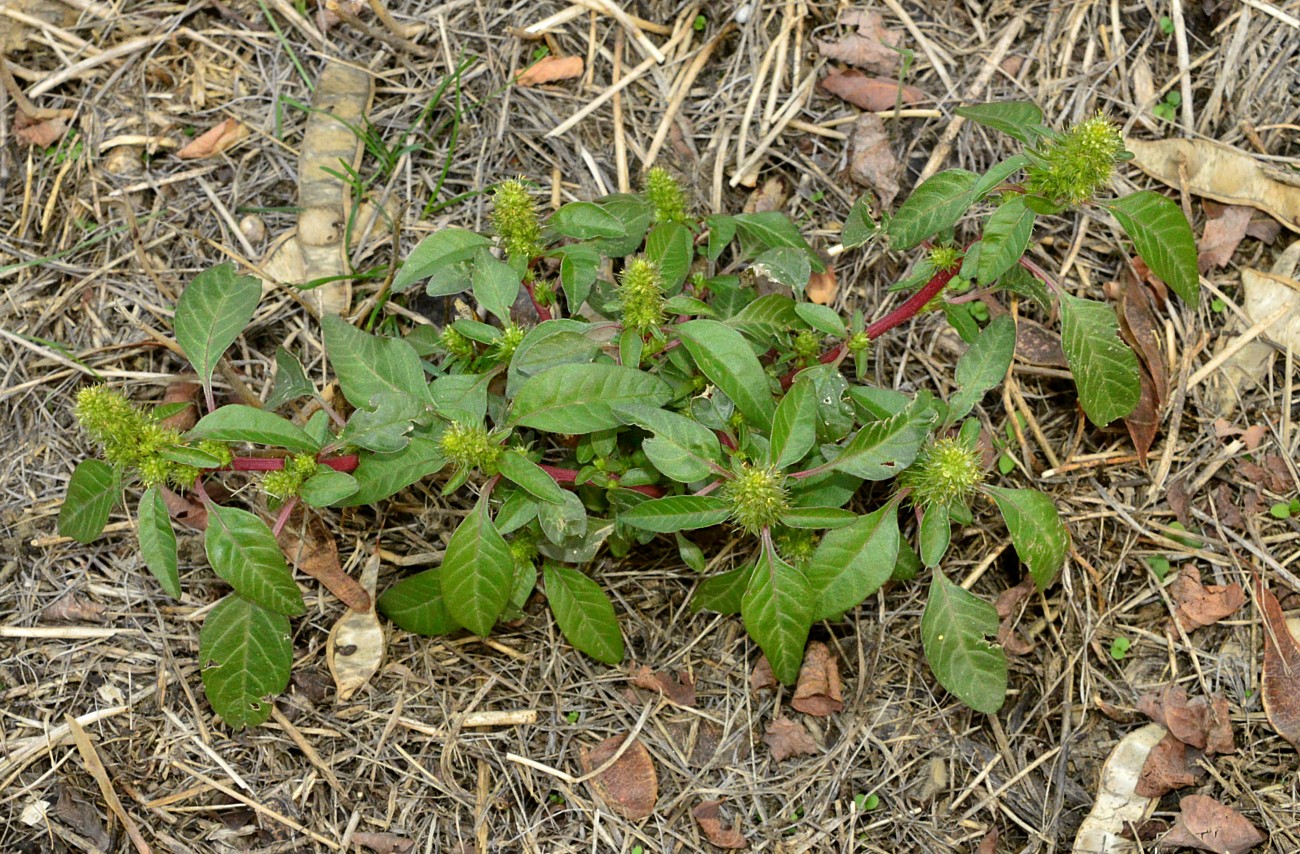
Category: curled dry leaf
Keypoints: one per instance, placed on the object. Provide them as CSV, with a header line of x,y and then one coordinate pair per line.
x,y
770,196
788,738
41,132
73,609
1221,236
630,786
384,843
1251,436
550,69
1142,331
869,93
676,687
355,647
1203,604
1167,768
872,163
818,691
1221,173
215,141
312,550
870,46
709,818
762,678
182,391
1118,805
1200,722
1207,825
1281,680
822,287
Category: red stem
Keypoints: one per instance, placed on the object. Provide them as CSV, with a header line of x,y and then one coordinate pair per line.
x,y
913,305
569,477
345,463
543,313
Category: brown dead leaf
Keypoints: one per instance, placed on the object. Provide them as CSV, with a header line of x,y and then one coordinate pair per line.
x,y
818,691
788,738
1221,173
181,391
384,843
1180,501
1226,508
709,818
1273,475
215,141
869,93
1142,331
355,646
1281,679
1200,722
762,678
1251,436
83,818
550,69
1203,604
312,550
989,844
1221,235
1207,825
1167,768
1039,346
872,163
185,510
630,786
1008,600
73,609
42,132
869,46
676,687
771,195
822,287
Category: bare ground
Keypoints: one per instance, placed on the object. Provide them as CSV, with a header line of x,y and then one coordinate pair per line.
x,y
97,237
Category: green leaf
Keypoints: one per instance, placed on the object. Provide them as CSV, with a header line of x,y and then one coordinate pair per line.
x,y
291,380
672,246
851,563
1105,369
243,551
1163,238
461,397
677,513
381,475
584,613
725,357
579,268
1017,119
565,521
92,491
999,173
681,449
785,265
369,364
212,311
327,487
777,610
691,554
633,213
518,469
934,206
548,345
577,399
859,227
415,603
158,541
983,365
765,317
954,631
437,251
188,456
724,592
817,517
386,429
1020,281
239,423
722,229
794,425
822,318
585,220
246,654
882,449
495,284
1005,238
1039,536
768,230
477,572
935,534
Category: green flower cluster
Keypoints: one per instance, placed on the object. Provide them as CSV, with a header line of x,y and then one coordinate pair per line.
x,y
758,497
946,473
470,446
287,482
457,344
641,291
1078,163
133,441
946,257
666,196
514,216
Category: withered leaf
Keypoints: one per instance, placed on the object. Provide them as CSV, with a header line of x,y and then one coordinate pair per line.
x,y
709,818
1207,825
1180,501
355,646
1203,604
384,843
1221,236
822,287
770,196
1141,330
41,132
869,93
1281,679
1251,436
72,608
762,678
215,141
630,786
1039,346
1167,768
182,391
1201,722
312,550
870,46
788,738
550,69
676,687
818,691
185,510
1226,507
872,162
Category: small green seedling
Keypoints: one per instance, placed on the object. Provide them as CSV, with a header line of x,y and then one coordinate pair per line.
x,y
1166,25
1168,108
1285,509
1119,648
866,803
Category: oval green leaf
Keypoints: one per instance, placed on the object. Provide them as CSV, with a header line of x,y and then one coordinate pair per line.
x,y
239,423
212,311
246,654
477,572
677,513
158,541
92,490
577,399
1036,530
725,357
955,628
584,613
777,609
243,551
415,603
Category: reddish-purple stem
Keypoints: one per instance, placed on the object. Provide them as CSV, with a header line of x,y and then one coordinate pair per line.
x,y
543,313
283,519
569,477
912,305
345,463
